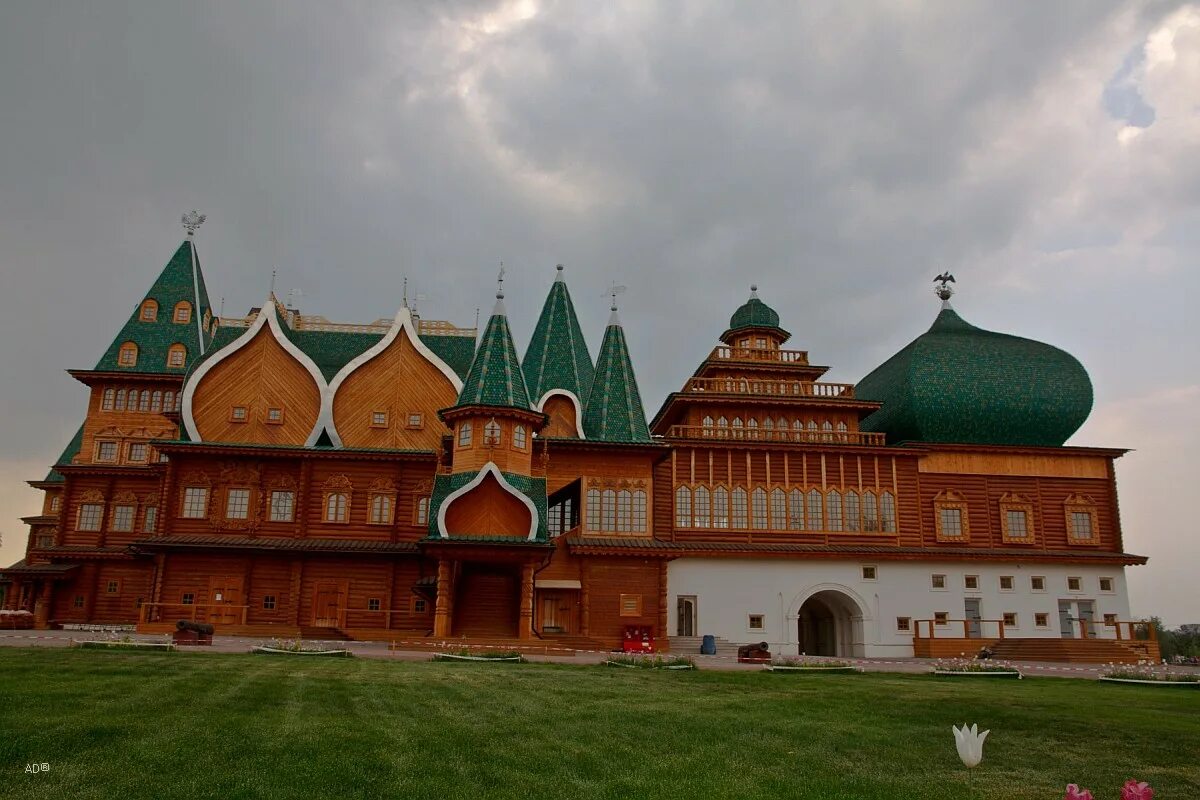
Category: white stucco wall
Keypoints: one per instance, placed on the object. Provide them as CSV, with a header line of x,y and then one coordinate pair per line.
x,y
728,591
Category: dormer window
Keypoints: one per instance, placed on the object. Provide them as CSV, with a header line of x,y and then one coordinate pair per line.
x,y
519,437
183,312
128,354
491,434
149,311
176,355
274,416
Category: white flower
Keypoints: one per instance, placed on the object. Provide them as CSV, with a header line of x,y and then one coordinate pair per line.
x,y
970,744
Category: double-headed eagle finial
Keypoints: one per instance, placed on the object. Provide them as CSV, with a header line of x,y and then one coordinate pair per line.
x,y
944,290
192,220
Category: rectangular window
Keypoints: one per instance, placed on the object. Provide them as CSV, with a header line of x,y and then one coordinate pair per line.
x,y
1006,583
373,604
45,540
55,503
283,504
195,502
137,452
1037,583
237,504
423,511
639,511
78,601
122,518
381,509
188,598
593,509
237,414
904,624
755,622
1081,525
150,519
274,416
1041,620
1010,619
1110,619
419,605
739,508
269,602
379,419
941,617
1074,584
113,587
758,509
1018,527
951,522
89,516
869,573
1106,584
106,451
631,605
415,420
938,581
971,582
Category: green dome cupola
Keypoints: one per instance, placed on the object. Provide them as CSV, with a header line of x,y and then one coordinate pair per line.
x,y
957,383
754,315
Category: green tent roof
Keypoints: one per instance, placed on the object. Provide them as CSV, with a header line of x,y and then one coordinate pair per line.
x,y
68,455
495,377
614,407
957,383
558,357
533,488
181,279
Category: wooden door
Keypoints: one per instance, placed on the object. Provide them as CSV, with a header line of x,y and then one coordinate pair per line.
x,y
686,616
558,611
225,599
328,601
550,614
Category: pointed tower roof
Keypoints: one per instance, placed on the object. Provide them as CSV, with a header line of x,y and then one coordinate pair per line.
x,y
181,279
495,377
558,356
614,407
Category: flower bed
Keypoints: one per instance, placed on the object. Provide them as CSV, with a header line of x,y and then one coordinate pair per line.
x,y
793,665
297,647
966,667
118,644
1147,674
510,656
650,662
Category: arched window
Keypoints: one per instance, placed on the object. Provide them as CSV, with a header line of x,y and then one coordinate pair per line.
x,y
779,510
110,396
816,511
797,430
149,311
833,510
178,400
593,509
183,312
841,429
752,426
826,431
683,507
887,515
758,509
852,511
491,433
639,511
169,401
722,424
870,512
519,437
608,509
796,510
176,355
720,507
120,405
335,507
156,401
624,510
381,509
423,511
702,498
739,508
127,355
768,428
144,403
707,422
464,435
737,427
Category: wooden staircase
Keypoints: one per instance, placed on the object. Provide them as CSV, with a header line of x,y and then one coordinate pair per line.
x,y
486,604
1076,651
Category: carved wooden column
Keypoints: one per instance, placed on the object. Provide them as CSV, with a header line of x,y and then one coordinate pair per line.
x,y
160,563
442,611
525,631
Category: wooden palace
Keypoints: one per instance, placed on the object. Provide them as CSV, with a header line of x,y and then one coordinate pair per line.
x,y
283,475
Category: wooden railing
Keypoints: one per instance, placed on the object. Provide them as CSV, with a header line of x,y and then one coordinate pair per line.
x,y
950,628
759,354
194,612
776,435
777,388
1134,630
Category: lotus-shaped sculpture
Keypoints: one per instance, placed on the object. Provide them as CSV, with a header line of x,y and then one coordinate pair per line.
x,y
969,742
1136,790
1075,793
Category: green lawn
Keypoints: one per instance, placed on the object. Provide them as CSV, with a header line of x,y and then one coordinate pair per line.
x,y
133,725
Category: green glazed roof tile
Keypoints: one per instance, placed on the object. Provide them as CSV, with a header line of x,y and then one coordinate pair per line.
x,y
495,377
957,383
754,313
68,455
533,488
614,407
558,357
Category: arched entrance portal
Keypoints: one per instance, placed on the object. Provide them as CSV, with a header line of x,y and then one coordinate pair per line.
x,y
829,624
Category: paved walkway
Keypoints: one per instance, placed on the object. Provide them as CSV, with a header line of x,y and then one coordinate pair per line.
x,y
235,644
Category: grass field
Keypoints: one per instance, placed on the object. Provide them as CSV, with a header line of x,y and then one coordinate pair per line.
x,y
162,725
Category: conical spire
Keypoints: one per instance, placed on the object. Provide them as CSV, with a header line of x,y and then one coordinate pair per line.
x,y
558,357
495,377
614,408
155,332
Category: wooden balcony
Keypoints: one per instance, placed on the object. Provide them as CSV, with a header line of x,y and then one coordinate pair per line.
x,y
773,388
759,355
778,435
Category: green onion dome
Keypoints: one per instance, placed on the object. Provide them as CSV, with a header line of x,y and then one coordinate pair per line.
x,y
960,384
754,313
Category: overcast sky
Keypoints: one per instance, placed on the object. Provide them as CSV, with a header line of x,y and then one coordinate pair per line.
x,y
838,155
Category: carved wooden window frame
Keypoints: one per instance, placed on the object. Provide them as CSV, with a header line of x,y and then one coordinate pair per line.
x,y
382,489
247,512
127,356
337,485
1082,504
92,497
1011,501
121,501
116,451
949,499
379,418
267,420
